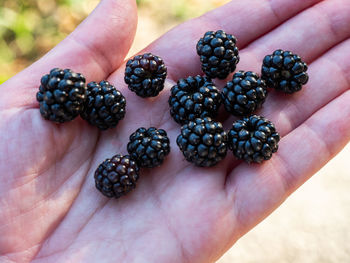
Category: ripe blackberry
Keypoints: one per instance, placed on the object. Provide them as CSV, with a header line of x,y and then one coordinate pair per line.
x,y
61,95
117,176
253,139
194,97
105,105
149,147
284,71
203,142
145,75
218,53
244,94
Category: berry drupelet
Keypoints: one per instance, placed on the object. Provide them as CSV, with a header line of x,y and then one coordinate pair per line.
x,y
117,176
203,142
61,95
284,71
253,139
149,147
218,53
105,105
145,75
194,97
244,94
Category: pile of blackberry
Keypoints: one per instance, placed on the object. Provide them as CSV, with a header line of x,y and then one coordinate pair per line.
x,y
244,94
149,146
194,97
105,105
117,176
253,139
218,53
203,142
284,71
145,75
194,103
61,95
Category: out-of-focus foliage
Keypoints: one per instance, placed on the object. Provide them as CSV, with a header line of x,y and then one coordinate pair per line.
x,y
30,28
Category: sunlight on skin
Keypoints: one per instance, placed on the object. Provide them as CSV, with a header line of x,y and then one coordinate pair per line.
x,y
50,210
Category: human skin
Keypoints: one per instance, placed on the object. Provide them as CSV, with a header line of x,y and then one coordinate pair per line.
x,y
50,210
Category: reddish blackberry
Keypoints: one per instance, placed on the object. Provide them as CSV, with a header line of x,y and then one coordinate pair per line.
x,y
61,95
145,75
244,94
105,105
117,176
253,139
149,147
218,53
203,142
194,97
284,71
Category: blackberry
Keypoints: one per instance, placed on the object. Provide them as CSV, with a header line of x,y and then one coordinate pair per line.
x,y
284,71
61,95
194,97
145,75
244,94
218,53
149,147
117,176
203,142
105,105
253,139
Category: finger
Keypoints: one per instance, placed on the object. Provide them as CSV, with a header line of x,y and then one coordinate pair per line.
x,y
326,76
96,48
236,17
259,189
329,77
309,34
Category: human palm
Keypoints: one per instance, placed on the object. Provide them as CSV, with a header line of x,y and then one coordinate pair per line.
x,y
50,210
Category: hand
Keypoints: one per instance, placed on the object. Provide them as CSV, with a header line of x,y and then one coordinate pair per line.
x,y
50,210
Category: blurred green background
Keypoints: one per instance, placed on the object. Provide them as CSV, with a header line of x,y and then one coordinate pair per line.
x,y
29,28
312,226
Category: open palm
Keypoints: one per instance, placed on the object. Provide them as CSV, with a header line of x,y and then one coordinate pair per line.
x,y
50,210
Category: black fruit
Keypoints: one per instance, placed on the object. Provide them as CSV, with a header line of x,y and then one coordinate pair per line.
x,y
253,139
244,94
105,105
203,142
145,75
284,71
149,147
218,53
194,97
61,95
117,176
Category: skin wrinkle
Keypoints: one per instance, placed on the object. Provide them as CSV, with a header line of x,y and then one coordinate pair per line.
x,y
78,193
289,174
66,248
48,196
169,225
239,212
346,75
104,64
